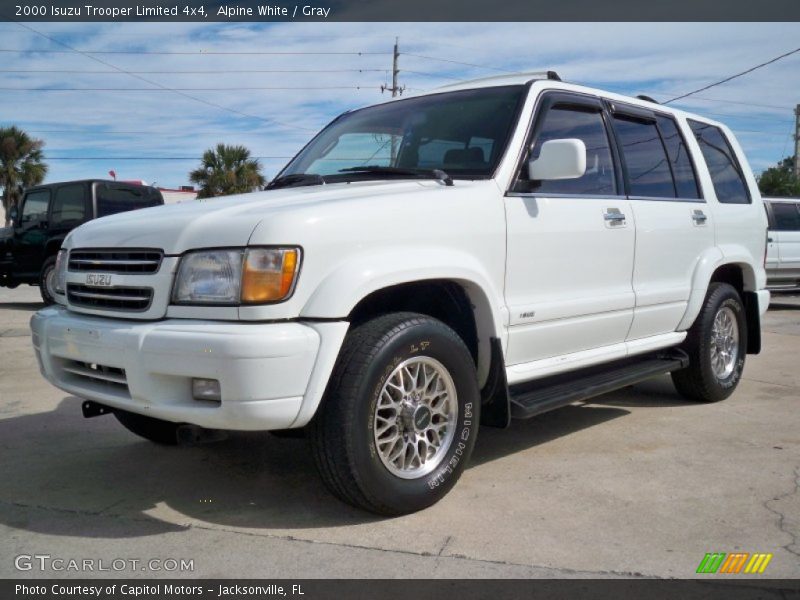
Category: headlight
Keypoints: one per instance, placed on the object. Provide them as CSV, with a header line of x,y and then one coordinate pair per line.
x,y
60,275
247,276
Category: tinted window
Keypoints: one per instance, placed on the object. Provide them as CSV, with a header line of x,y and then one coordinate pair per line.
x,y
682,168
112,199
68,205
645,158
588,126
35,207
726,174
787,217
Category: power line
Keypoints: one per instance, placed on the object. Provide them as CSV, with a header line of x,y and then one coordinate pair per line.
x,y
457,62
181,53
200,72
194,89
732,77
151,82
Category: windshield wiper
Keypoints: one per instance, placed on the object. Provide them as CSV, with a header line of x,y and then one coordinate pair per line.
x,y
296,180
437,174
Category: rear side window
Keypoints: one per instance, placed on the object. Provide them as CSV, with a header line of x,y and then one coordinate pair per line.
x,y
586,125
682,169
35,207
113,199
787,216
69,205
726,173
645,157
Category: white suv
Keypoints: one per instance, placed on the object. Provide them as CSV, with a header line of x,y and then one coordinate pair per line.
x,y
494,249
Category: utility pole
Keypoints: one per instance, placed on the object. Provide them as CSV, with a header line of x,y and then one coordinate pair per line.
x,y
797,141
395,89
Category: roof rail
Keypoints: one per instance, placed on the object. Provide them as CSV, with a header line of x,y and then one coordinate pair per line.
x,y
647,98
551,75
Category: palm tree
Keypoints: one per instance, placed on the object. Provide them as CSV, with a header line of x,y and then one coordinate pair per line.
x,y
227,170
21,164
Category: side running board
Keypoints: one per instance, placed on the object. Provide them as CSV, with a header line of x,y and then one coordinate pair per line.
x,y
555,392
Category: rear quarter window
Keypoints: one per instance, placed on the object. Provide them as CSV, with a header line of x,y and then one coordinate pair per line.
x,y
723,166
113,199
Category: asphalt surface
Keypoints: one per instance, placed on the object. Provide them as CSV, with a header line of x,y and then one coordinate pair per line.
x,y
638,483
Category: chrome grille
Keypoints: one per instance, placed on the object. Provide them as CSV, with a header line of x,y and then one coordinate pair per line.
x,y
116,261
110,298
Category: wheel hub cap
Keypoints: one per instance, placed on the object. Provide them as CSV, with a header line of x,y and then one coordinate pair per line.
x,y
724,343
415,417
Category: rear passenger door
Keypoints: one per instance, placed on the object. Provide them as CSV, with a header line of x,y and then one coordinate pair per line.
x,y
70,208
569,243
673,225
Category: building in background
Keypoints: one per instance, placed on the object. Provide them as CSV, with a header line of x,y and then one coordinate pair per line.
x,y
176,196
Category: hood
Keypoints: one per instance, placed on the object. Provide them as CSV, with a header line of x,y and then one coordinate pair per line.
x,y
228,221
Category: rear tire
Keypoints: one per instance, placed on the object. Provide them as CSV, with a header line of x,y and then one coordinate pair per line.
x,y
716,345
154,430
47,281
400,416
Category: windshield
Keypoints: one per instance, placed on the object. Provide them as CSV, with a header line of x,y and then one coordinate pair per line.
x,y
462,133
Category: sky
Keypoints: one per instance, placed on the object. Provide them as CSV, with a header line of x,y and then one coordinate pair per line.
x,y
270,87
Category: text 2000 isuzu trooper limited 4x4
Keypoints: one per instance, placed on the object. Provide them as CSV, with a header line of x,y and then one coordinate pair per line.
x,y
492,250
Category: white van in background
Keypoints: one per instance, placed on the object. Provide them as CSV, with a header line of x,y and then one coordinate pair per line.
x,y
783,243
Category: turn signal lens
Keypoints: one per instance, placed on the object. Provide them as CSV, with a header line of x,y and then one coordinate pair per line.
x,y
269,274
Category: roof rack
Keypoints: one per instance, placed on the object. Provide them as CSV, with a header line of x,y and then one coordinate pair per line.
x,y
551,75
646,98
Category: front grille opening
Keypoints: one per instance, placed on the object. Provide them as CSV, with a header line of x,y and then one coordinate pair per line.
x,y
110,298
116,261
96,373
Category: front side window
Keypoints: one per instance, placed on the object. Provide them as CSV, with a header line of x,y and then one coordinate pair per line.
x,y
787,217
69,205
646,160
462,133
587,125
726,174
35,207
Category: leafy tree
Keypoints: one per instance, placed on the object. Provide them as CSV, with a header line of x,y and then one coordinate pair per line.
x,y
21,164
226,170
780,180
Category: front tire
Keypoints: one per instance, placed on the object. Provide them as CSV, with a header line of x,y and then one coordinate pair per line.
x,y
154,430
716,345
47,281
400,416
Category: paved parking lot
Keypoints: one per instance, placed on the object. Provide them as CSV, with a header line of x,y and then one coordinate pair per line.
x,y
638,483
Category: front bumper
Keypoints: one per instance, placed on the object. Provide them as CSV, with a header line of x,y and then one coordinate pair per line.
x,y
266,371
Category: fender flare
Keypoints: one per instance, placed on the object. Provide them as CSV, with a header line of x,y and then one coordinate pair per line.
x,y
353,280
711,260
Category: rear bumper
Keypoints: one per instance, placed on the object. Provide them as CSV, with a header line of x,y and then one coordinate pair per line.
x,y
264,370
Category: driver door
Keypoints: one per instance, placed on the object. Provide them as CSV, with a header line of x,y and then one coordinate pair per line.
x,y
30,233
570,245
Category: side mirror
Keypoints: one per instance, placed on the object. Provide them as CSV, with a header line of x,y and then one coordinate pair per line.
x,y
13,214
559,159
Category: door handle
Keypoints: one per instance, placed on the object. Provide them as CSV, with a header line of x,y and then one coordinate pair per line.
x,y
769,239
699,217
614,215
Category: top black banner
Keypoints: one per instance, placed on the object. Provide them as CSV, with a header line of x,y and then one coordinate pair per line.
x,y
399,10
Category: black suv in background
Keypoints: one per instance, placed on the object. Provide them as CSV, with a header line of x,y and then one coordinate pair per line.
x,y
47,213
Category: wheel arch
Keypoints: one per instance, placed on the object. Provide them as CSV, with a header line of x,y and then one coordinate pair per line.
x,y
736,271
